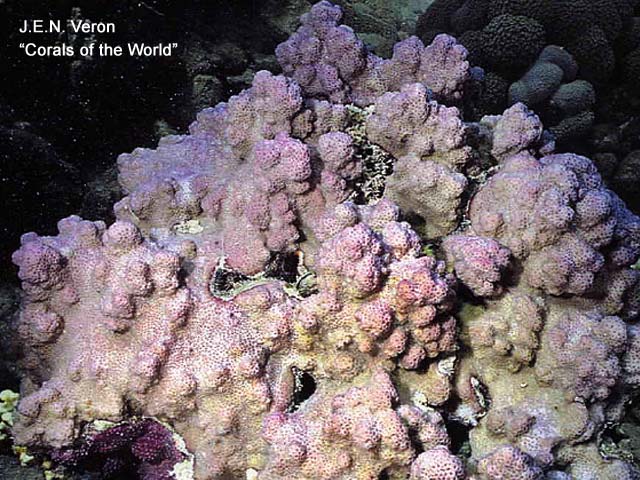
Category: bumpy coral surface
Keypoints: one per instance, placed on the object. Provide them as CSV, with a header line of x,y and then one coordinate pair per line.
x,y
282,330
142,448
532,48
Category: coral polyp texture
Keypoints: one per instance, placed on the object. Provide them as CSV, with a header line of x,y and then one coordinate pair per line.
x,y
250,315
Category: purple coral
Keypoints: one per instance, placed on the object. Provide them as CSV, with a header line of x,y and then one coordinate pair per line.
x,y
142,447
509,463
351,362
360,423
478,262
329,61
202,177
429,142
581,353
555,215
370,271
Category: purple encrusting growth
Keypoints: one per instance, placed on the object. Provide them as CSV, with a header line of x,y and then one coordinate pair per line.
x,y
143,447
516,319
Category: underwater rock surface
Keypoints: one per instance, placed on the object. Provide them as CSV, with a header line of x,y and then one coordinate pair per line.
x,y
246,298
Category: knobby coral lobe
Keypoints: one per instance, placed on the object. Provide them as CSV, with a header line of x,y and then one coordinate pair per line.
x,y
122,321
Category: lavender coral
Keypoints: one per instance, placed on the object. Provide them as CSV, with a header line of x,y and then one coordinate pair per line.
x,y
249,299
555,215
428,141
479,262
329,61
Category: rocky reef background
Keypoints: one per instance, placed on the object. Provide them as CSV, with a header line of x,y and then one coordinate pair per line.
x,y
60,142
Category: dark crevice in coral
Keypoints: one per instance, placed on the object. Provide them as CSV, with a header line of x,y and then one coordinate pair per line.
x,y
375,170
384,475
620,441
613,434
305,387
289,268
225,281
459,434
417,222
283,266
466,296
478,171
306,285
10,381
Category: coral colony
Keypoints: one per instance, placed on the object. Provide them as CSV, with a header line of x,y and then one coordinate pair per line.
x,y
249,303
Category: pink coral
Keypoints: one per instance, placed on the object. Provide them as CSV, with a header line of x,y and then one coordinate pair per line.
x,y
202,177
517,130
428,141
245,299
329,61
555,215
361,422
581,354
509,463
437,464
399,302
478,262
